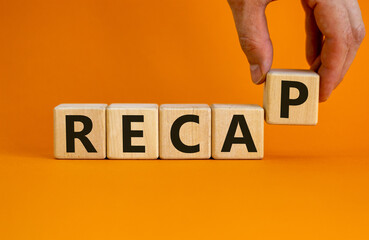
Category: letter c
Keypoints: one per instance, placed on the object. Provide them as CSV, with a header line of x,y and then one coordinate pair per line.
x,y
174,134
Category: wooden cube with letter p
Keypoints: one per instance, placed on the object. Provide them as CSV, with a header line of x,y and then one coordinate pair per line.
x,y
237,131
291,97
185,131
132,131
79,131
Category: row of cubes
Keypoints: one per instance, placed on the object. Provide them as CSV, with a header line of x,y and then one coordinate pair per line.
x,y
185,131
145,131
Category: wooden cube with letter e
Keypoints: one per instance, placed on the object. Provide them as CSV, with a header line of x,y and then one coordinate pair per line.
x,y
291,97
79,131
132,131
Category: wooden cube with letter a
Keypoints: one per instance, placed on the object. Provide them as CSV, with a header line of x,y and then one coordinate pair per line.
x,y
79,131
291,97
237,131
185,131
132,131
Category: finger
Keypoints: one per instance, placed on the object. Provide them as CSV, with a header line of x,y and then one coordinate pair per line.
x,y
314,37
357,34
333,21
316,64
254,37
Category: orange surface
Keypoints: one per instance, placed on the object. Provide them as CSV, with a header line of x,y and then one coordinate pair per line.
x,y
313,182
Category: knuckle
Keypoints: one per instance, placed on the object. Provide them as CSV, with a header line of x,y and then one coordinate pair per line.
x,y
346,37
358,33
250,44
354,36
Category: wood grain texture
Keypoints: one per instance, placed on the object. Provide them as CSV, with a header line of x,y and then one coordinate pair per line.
x,y
304,114
190,133
149,128
222,116
97,136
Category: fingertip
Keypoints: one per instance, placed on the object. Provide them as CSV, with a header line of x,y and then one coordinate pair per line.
x,y
323,99
262,80
257,74
329,78
324,94
315,65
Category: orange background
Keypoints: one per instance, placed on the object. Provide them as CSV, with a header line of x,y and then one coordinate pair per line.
x,y
313,182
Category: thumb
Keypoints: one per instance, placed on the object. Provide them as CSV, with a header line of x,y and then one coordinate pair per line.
x,y
252,28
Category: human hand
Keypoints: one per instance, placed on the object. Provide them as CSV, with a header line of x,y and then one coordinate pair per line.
x,y
334,32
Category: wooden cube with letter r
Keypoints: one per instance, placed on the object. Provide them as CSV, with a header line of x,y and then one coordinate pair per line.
x,y
291,97
237,131
79,131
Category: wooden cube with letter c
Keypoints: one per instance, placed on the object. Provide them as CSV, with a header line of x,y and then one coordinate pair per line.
x,y
185,131
291,97
132,131
79,131
237,131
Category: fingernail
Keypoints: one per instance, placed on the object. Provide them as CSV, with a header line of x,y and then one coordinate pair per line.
x,y
324,98
256,74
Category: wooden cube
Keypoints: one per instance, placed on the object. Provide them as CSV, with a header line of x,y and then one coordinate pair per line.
x,y
291,97
185,131
79,131
237,131
132,131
